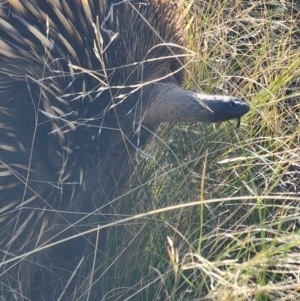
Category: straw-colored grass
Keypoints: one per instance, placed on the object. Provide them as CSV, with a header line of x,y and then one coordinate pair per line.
x,y
226,225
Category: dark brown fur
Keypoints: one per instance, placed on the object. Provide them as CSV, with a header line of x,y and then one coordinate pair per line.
x,y
68,136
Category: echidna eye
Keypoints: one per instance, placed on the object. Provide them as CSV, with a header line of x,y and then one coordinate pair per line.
x,y
55,158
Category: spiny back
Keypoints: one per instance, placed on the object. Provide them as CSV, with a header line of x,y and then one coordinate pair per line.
x,y
75,78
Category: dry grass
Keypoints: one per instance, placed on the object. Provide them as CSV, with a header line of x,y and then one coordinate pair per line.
x,y
237,237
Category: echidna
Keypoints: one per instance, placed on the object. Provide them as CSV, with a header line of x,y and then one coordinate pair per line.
x,y
83,83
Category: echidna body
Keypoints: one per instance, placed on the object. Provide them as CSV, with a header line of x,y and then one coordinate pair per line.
x,y
83,83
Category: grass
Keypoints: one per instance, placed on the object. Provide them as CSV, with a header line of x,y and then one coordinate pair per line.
x,y
237,236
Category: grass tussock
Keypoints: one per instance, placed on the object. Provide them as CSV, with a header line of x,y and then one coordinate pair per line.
x,y
220,203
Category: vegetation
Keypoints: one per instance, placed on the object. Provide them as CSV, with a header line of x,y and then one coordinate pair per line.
x,y
212,210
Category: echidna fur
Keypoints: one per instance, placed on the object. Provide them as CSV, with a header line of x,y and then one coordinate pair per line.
x,y
72,92
67,129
